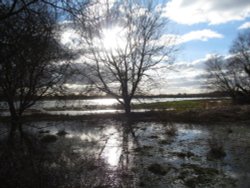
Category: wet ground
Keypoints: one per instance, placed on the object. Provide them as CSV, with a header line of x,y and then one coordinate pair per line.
x,y
148,154
90,106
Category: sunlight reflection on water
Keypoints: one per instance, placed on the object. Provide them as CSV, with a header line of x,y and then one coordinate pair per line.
x,y
105,102
112,149
88,112
186,150
83,103
106,142
186,134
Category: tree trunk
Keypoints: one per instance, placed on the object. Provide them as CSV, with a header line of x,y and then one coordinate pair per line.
x,y
16,127
14,122
127,107
13,128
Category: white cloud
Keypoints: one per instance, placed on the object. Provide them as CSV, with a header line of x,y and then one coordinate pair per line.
x,y
186,77
204,11
201,35
246,25
182,77
70,38
100,8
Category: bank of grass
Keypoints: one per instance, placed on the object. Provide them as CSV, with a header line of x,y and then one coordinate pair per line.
x,y
184,105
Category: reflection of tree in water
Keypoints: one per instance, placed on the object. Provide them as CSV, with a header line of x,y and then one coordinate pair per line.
x,y
127,163
65,161
139,152
147,156
36,164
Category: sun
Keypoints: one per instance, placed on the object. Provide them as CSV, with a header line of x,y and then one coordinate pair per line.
x,y
113,39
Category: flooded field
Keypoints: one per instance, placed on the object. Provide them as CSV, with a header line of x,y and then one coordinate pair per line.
x,y
90,104
147,154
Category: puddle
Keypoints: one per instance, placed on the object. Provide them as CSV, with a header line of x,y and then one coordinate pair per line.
x,y
178,151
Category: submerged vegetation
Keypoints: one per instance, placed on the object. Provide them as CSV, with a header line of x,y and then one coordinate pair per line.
x,y
217,150
157,169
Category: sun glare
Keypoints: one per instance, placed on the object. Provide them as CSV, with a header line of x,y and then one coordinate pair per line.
x,y
113,38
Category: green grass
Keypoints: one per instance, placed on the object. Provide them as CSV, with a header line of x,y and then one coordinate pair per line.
x,y
182,105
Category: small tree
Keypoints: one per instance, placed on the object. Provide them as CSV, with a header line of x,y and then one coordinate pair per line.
x,y
31,61
124,46
219,77
240,60
241,51
232,75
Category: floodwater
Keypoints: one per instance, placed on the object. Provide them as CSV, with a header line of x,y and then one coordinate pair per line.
x,y
94,103
152,154
87,106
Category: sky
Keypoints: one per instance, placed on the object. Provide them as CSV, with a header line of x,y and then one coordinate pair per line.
x,y
201,28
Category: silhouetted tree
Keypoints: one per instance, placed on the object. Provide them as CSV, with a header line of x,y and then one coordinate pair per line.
x,y
10,8
232,75
220,77
240,60
64,8
31,64
117,68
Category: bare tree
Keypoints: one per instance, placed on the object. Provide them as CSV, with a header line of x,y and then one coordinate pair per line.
x,y
123,46
31,63
241,59
9,8
232,75
219,77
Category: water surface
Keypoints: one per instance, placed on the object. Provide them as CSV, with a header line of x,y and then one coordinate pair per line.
x,y
179,151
